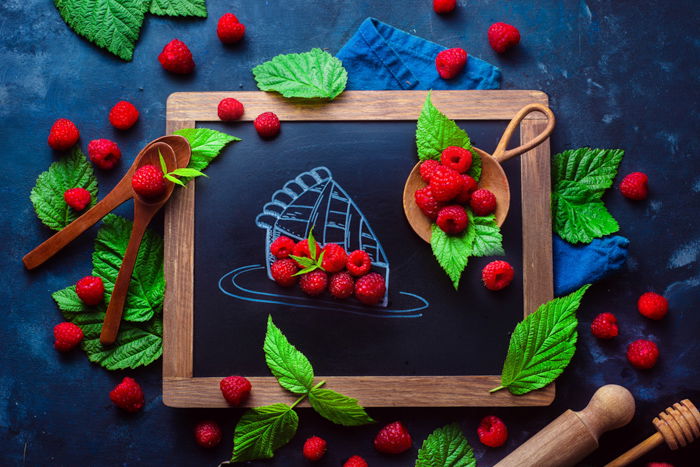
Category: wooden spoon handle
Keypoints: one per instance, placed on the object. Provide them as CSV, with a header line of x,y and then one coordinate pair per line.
x,y
500,154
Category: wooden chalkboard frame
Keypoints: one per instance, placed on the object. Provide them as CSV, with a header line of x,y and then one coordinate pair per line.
x,y
185,109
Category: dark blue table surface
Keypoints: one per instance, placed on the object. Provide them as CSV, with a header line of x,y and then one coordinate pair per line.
x,y
619,74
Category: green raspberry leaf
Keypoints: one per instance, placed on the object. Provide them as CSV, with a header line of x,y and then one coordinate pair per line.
x,y
446,447
593,168
338,408
579,213
291,367
452,251
263,430
487,238
434,132
110,24
307,75
206,144
71,171
179,8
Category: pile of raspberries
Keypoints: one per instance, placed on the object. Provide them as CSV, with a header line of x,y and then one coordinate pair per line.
x,y
450,189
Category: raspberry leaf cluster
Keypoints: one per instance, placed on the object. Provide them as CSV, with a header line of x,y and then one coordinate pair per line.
x,y
174,174
446,447
206,144
312,263
179,8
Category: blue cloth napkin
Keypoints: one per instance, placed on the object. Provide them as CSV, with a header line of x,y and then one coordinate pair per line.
x,y
379,56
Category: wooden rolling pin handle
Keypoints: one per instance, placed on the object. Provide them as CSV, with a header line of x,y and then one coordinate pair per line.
x,y
637,451
574,435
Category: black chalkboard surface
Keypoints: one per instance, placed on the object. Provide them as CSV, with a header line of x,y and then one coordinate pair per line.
x,y
461,332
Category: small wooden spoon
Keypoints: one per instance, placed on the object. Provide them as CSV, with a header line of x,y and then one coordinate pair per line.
x,y
493,178
144,210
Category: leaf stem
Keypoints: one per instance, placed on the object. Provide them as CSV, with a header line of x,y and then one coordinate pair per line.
x,y
497,389
298,401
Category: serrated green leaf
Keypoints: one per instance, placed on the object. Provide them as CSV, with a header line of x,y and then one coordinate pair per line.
x,y
593,168
72,171
303,260
446,447
163,166
174,180
542,345
263,430
434,132
291,367
487,238
206,144
475,170
579,214
186,172
312,243
310,74
179,8
451,251
67,300
338,408
306,270
113,25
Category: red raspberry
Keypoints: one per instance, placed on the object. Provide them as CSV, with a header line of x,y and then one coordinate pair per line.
x,y
123,115
370,289
207,434
235,389
482,202
450,62
659,464
634,186
148,181
355,461
445,184
426,202
470,186
334,258
63,135
492,431
67,336
427,168
282,247
457,158
283,271
444,6
90,290
604,326
128,395
77,198
341,285
229,29
314,448
503,36
104,153
313,283
642,354
652,305
497,275
267,125
452,219
359,263
230,109
393,439
176,57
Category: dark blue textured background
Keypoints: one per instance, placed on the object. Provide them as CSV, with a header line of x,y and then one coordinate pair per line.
x,y
619,74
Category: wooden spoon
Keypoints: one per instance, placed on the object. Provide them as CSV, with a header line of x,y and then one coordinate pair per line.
x,y
119,194
493,178
144,210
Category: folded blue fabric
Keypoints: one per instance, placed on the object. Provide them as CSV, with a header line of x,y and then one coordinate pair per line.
x,y
379,57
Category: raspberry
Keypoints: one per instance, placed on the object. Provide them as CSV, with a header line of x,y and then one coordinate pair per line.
x,y
445,183
90,290
128,395
235,389
313,283
482,202
427,168
341,285
283,271
229,29
370,289
450,62
492,431
66,336
267,125
393,439
503,36
176,58
63,135
497,275
207,434
444,6
659,464
634,186
604,326
104,153
355,461
334,258
230,109
359,263
148,181
652,305
123,115
426,202
469,187
452,219
642,354
282,247
457,158
77,198
314,448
